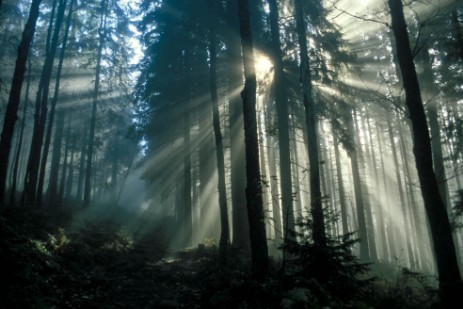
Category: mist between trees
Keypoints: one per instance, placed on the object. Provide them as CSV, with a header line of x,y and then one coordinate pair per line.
x,y
267,127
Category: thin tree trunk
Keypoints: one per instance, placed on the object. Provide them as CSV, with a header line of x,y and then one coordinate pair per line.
x,y
342,194
225,230
65,165
380,213
186,207
15,95
355,166
258,239
69,183
80,181
46,145
32,172
281,102
96,90
55,160
13,188
366,195
237,153
450,283
319,233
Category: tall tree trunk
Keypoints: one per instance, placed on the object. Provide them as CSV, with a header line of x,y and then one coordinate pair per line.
x,y
96,90
450,283
361,219
46,145
281,102
254,203
65,165
387,222
380,213
80,181
40,119
69,183
55,160
225,230
237,154
366,195
342,194
400,187
319,233
13,188
15,95
186,206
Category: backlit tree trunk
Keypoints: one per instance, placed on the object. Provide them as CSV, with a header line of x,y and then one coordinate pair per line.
x,y
237,155
96,90
450,284
225,230
319,233
281,102
258,239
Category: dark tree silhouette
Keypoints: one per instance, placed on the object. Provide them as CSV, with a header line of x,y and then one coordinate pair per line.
x,y
450,283
15,94
259,250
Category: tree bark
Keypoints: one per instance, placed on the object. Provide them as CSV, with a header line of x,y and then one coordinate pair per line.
x,y
237,155
281,102
46,145
55,160
33,164
254,202
319,233
225,230
355,166
450,283
15,95
96,90
13,188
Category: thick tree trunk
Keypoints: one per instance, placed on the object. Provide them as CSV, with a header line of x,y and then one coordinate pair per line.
x,y
237,155
225,230
96,90
258,239
319,233
15,95
450,283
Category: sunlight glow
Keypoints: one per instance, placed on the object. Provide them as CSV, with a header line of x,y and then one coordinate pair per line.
x,y
263,66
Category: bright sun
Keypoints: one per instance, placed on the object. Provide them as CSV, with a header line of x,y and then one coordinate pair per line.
x,y
263,65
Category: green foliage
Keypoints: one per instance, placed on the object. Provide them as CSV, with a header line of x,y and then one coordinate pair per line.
x,y
398,287
73,264
331,272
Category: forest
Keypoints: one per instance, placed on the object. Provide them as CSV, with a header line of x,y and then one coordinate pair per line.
x,y
231,153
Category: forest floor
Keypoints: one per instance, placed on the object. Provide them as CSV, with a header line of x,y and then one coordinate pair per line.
x,y
56,258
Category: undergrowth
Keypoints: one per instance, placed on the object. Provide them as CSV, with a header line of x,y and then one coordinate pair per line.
x,y
60,258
